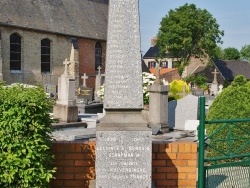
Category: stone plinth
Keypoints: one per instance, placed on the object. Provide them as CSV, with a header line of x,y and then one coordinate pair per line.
x,y
66,113
124,150
158,107
123,157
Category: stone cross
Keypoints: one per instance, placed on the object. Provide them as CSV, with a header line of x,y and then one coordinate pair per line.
x,y
84,78
158,74
99,70
215,76
66,63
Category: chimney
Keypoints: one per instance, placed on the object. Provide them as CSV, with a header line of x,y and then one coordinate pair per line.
x,y
153,41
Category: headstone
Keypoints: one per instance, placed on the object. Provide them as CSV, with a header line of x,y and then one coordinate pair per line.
x,y
51,89
182,110
84,78
191,125
65,108
124,143
98,83
158,106
74,61
220,88
83,92
214,85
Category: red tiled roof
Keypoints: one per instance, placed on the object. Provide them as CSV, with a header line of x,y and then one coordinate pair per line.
x,y
163,70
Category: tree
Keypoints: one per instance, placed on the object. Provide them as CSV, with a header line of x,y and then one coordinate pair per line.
x,y
245,52
188,31
219,54
231,54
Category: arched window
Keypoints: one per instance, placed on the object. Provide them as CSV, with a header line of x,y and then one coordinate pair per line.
x,y
98,55
45,55
15,52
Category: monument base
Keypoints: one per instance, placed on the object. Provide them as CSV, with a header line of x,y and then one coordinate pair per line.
x,y
92,184
123,156
65,113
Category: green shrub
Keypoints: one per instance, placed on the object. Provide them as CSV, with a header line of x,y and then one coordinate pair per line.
x,y
232,103
25,127
176,89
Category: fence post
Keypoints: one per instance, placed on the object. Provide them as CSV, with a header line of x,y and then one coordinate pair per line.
x,y
201,137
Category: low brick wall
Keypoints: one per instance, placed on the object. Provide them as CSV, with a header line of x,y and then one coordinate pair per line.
x,y
173,164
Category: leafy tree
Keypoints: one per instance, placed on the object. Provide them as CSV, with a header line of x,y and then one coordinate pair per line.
x,y
231,54
25,127
199,80
188,31
218,53
232,103
245,52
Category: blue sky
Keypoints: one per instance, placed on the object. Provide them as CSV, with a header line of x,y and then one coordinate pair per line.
x,y
232,16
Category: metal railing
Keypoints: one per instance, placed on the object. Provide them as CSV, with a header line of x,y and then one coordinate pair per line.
x,y
233,155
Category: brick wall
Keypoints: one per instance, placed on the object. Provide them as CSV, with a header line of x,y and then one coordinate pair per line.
x,y
173,164
87,60
75,162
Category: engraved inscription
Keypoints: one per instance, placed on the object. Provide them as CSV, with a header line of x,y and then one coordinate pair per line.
x,y
124,156
123,88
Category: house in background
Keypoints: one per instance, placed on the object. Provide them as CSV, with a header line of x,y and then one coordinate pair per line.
x,y
167,64
227,70
37,36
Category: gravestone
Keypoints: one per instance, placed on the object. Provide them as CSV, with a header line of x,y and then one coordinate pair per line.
x,y
65,108
214,86
182,110
220,88
123,140
51,89
83,92
158,105
98,83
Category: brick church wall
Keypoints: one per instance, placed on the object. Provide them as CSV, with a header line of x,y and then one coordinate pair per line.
x,y
173,164
87,60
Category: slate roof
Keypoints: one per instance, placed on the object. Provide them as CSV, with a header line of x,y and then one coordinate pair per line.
x,y
144,67
81,18
152,53
230,69
207,72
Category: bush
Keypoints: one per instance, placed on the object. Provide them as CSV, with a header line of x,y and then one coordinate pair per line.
x,y
147,79
25,127
232,103
176,89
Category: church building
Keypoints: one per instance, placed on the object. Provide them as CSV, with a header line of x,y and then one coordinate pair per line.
x,y
38,35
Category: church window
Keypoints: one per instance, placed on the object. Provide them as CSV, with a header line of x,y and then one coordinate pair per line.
x,y
15,52
98,55
45,55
